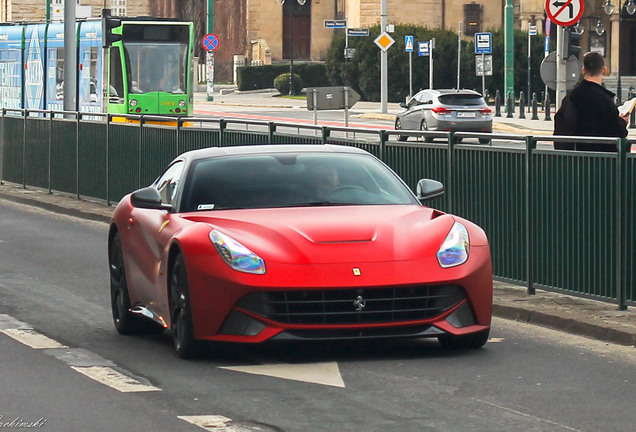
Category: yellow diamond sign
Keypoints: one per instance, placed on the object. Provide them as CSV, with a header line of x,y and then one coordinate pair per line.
x,y
384,41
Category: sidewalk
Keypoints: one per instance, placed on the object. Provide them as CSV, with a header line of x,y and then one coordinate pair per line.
x,y
227,95
590,318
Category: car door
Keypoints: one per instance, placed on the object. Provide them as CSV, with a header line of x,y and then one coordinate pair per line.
x,y
149,232
410,119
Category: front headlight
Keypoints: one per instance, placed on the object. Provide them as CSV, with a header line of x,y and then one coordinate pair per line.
x,y
133,102
236,255
454,250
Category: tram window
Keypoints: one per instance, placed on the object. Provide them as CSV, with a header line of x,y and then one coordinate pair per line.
x,y
59,74
116,80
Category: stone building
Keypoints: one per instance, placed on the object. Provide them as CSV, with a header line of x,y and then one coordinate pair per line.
x,y
264,31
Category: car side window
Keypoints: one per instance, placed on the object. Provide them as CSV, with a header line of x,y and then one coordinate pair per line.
x,y
168,183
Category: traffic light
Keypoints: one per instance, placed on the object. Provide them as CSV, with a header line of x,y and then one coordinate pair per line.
x,y
108,24
571,44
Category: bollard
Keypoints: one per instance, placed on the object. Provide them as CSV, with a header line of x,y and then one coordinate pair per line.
x,y
497,104
535,115
546,104
522,106
632,116
510,106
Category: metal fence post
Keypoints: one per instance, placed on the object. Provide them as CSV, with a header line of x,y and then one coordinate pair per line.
x,y
2,126
325,133
24,133
50,144
77,152
108,159
530,147
384,138
448,188
140,146
271,129
621,242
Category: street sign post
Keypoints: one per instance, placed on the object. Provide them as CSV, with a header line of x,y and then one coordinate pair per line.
x,y
483,46
335,23
357,32
548,71
210,42
384,41
331,98
564,12
408,47
423,48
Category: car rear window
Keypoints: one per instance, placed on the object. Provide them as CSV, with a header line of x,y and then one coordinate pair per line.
x,y
461,99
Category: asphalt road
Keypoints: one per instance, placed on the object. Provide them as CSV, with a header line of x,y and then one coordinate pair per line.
x,y
63,362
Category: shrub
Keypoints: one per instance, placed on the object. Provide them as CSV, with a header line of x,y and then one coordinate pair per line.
x,y
282,83
261,77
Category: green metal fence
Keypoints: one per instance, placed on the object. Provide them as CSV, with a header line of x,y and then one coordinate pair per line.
x,y
556,220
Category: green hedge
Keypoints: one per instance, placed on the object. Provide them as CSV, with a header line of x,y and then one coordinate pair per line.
x,y
262,77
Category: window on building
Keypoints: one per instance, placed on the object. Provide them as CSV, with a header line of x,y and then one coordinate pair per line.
x,y
473,17
118,7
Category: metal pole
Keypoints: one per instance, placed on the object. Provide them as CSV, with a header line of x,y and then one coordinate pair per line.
x,y
483,74
560,68
529,64
431,44
410,74
346,105
509,48
315,98
384,72
459,52
291,48
48,11
70,57
209,55
618,60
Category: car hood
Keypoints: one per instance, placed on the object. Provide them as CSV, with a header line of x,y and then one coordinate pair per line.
x,y
334,234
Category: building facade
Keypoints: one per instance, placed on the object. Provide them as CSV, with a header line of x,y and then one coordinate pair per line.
x,y
266,31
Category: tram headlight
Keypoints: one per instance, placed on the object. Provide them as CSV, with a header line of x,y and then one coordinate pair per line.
x,y
182,103
133,102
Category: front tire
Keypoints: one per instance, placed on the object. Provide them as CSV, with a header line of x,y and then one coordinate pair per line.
x,y
398,126
180,311
469,341
124,321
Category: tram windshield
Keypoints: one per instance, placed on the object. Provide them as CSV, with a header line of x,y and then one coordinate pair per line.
x,y
156,67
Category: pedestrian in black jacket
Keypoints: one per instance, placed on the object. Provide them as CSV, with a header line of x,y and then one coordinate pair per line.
x,y
589,109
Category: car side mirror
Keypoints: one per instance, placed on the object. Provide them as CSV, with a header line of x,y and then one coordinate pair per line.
x,y
428,189
403,105
148,198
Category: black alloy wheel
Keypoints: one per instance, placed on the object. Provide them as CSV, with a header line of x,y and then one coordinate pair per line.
x,y
180,312
125,322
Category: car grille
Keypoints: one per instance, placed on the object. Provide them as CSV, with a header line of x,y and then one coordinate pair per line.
x,y
353,306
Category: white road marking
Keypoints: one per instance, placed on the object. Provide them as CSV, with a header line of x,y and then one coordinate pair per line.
x,y
316,373
216,423
33,339
113,379
496,340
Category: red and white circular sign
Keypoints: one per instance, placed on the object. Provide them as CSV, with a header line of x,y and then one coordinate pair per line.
x,y
564,12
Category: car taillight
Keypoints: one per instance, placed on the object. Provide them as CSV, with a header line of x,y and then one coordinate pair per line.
x,y
440,110
485,110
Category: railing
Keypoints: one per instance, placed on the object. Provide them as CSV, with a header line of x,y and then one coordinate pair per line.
x,y
556,220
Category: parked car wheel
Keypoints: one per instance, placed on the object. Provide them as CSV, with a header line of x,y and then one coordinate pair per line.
x,y
424,127
125,322
398,126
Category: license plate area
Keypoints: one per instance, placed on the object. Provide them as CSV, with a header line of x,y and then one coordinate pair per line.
x,y
466,114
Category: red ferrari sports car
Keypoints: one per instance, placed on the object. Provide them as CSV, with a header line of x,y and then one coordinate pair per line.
x,y
280,242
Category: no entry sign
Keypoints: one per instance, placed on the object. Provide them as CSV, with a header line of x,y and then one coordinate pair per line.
x,y
564,12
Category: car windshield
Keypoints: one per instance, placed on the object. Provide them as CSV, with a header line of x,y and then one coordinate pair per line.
x,y
291,180
462,99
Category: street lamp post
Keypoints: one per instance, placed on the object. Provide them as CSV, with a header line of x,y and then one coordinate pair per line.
x,y
609,9
291,42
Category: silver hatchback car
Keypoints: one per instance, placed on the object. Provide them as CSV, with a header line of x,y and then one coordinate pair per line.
x,y
445,110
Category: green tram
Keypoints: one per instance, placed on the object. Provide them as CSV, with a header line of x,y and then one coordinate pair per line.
x,y
150,68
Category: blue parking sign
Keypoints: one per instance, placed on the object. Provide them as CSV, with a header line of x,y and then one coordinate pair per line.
x,y
483,43
423,48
